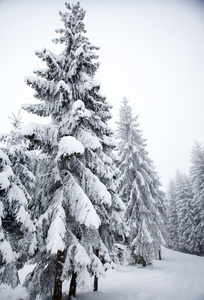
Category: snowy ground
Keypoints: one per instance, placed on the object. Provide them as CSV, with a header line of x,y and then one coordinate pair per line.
x,y
177,277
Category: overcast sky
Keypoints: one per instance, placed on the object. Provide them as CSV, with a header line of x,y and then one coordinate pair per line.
x,y
152,52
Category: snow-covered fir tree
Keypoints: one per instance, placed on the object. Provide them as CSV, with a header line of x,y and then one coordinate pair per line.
x,y
78,210
186,225
140,190
185,206
18,236
17,230
172,215
197,180
23,161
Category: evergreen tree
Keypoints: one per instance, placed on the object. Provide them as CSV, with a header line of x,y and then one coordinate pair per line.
x,y
197,179
188,222
172,215
184,211
23,161
77,206
139,189
17,230
181,215
18,236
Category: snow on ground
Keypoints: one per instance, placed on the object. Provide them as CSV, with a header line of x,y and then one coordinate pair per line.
x,y
177,277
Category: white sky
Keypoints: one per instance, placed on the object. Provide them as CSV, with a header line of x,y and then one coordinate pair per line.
x,y
151,51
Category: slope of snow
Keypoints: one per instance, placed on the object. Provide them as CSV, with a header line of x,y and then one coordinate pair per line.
x,y
177,277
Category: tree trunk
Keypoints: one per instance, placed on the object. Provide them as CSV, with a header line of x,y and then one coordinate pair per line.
x,y
58,282
144,264
160,258
73,285
95,277
95,283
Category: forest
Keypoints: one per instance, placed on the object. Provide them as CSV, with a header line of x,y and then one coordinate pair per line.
x,y
76,196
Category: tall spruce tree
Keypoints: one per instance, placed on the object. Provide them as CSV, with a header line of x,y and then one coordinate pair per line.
x,y
197,180
77,206
139,189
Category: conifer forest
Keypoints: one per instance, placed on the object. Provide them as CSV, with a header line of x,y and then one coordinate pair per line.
x,y
76,196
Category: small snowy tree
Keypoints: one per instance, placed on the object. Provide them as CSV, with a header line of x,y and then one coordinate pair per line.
x,y
197,180
186,225
23,161
172,215
77,206
17,230
139,189
181,227
18,236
